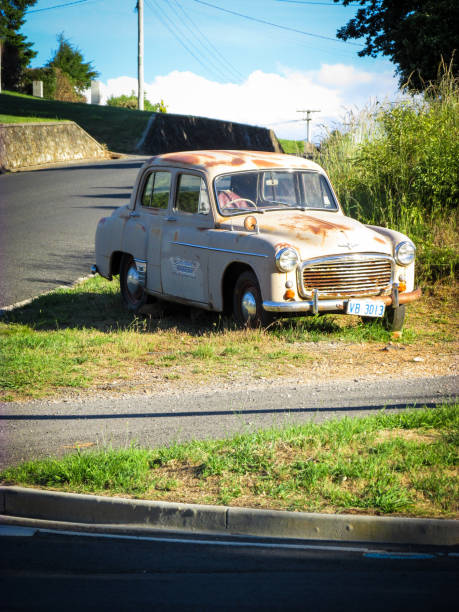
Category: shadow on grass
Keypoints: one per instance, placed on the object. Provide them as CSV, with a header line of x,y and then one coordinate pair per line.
x,y
104,311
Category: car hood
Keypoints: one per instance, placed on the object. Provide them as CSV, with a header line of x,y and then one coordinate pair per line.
x,y
316,233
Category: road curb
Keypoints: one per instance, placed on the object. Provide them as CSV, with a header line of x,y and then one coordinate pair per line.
x,y
58,510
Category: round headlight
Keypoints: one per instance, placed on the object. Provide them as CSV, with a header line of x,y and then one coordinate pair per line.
x,y
287,259
404,253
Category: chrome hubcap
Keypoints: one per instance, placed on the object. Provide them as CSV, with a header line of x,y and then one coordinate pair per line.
x,y
248,305
132,281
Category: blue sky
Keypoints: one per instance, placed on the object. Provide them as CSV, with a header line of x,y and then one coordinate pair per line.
x,y
205,61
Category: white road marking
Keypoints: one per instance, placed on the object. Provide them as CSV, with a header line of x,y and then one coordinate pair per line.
x,y
14,530
18,531
229,543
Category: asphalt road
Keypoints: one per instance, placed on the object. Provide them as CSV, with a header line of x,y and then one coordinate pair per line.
x,y
48,220
49,571
45,428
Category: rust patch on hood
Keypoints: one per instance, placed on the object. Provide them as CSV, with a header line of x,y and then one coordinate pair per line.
x,y
319,227
380,240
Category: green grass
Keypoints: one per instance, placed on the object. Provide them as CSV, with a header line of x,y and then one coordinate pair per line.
x,y
405,464
118,128
17,119
292,147
83,337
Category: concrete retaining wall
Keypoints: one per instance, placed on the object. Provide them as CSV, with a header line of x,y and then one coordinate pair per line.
x,y
32,144
167,133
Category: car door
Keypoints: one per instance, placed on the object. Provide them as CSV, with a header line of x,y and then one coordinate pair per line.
x,y
144,227
185,242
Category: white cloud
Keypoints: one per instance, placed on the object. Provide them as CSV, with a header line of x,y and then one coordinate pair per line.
x,y
267,99
340,75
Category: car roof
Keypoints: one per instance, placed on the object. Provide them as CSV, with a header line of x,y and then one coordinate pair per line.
x,y
221,161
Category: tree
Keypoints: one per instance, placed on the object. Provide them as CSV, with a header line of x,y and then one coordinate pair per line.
x,y
70,61
416,34
131,102
16,51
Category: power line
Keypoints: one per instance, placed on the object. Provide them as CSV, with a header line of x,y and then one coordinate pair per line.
x,y
65,5
196,41
274,25
236,74
306,2
164,18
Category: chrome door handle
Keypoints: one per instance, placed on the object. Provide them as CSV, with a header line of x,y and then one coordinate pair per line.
x,y
134,214
171,219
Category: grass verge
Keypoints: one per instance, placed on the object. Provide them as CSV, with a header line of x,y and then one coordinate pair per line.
x,y
403,464
17,119
292,147
118,128
82,338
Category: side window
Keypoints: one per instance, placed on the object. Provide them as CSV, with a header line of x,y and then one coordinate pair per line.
x,y
192,196
156,190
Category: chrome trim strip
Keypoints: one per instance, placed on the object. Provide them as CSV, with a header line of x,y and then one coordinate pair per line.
x,y
198,246
315,301
306,306
395,300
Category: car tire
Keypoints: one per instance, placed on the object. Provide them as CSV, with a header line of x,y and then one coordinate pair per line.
x,y
132,294
394,318
247,303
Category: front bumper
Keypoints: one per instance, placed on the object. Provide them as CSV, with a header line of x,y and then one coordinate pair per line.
x,y
338,305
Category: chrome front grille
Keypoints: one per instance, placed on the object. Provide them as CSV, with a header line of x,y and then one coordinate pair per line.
x,y
346,275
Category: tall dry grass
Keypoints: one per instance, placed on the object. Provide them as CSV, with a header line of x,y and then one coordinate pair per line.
x,y
397,165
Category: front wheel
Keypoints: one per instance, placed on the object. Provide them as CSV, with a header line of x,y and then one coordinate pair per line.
x,y
392,320
132,292
247,304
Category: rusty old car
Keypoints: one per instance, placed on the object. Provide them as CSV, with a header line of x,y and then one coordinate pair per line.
x,y
253,233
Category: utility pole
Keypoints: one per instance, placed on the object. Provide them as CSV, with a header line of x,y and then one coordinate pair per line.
x,y
140,95
308,119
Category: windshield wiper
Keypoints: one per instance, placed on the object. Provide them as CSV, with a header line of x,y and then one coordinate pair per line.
x,y
248,211
303,208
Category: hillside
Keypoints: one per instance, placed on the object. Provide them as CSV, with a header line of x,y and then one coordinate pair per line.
x,y
118,128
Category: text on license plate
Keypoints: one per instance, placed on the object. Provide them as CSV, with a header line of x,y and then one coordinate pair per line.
x,y
366,308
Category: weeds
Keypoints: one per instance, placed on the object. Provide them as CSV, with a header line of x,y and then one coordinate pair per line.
x,y
397,165
82,337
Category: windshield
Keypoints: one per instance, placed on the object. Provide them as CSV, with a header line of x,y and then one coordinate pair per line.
x,y
267,190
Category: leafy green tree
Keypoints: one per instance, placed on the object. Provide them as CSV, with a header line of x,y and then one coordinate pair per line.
x,y
416,34
46,75
70,61
16,52
131,102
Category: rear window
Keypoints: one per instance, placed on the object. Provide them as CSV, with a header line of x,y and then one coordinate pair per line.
x,y
156,190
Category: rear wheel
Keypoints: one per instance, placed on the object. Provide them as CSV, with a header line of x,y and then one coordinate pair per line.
x,y
247,303
132,292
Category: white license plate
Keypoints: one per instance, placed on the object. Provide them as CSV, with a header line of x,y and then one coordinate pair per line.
x,y
366,308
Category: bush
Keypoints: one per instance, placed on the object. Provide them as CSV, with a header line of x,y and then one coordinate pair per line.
x,y
131,102
397,165
65,90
